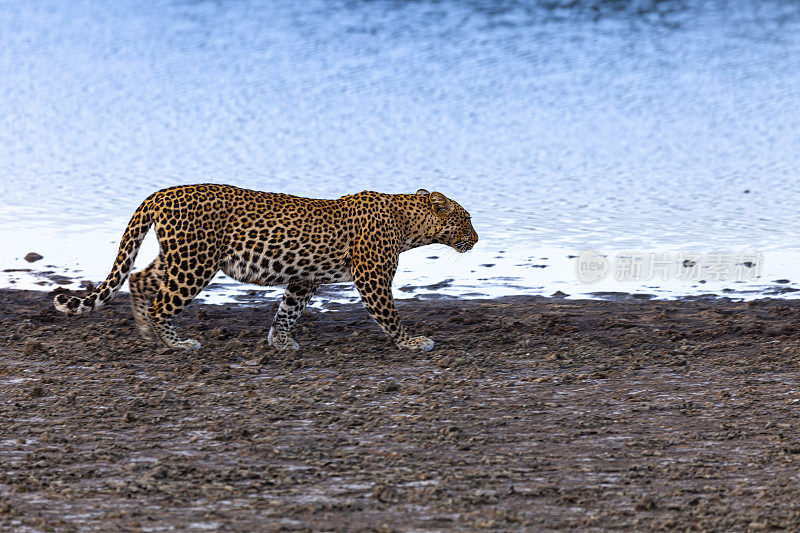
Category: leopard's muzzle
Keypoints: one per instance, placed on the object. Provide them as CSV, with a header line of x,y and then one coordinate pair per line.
x,y
464,246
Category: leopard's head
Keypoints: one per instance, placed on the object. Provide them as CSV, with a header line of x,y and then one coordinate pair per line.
x,y
451,225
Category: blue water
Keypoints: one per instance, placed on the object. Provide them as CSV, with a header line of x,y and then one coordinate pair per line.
x,y
597,125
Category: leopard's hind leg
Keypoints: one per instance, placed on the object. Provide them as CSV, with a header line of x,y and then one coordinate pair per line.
x,y
178,288
143,286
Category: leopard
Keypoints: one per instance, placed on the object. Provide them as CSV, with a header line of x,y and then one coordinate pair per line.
x,y
269,239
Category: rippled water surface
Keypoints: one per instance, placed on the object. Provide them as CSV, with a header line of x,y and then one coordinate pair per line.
x,y
653,126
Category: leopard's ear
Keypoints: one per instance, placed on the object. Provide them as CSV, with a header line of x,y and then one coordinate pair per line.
x,y
440,203
423,192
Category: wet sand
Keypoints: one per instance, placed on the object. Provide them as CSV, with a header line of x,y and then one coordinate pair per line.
x,y
530,414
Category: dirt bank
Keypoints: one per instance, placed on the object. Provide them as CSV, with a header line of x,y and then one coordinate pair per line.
x,y
530,413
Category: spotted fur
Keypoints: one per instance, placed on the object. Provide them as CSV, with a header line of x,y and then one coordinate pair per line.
x,y
272,239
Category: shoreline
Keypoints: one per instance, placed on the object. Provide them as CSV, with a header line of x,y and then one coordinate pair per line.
x,y
428,274
530,412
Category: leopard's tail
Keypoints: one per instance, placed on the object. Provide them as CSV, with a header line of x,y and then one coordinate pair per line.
x,y
132,239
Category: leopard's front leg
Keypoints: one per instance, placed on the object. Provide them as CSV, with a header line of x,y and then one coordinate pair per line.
x,y
373,276
294,301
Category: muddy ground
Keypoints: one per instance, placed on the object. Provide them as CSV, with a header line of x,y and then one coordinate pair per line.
x,y
530,414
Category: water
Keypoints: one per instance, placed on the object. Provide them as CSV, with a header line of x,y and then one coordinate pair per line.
x,y
608,126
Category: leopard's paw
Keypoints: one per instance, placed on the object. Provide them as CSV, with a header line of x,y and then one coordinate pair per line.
x,y
188,344
417,344
281,341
